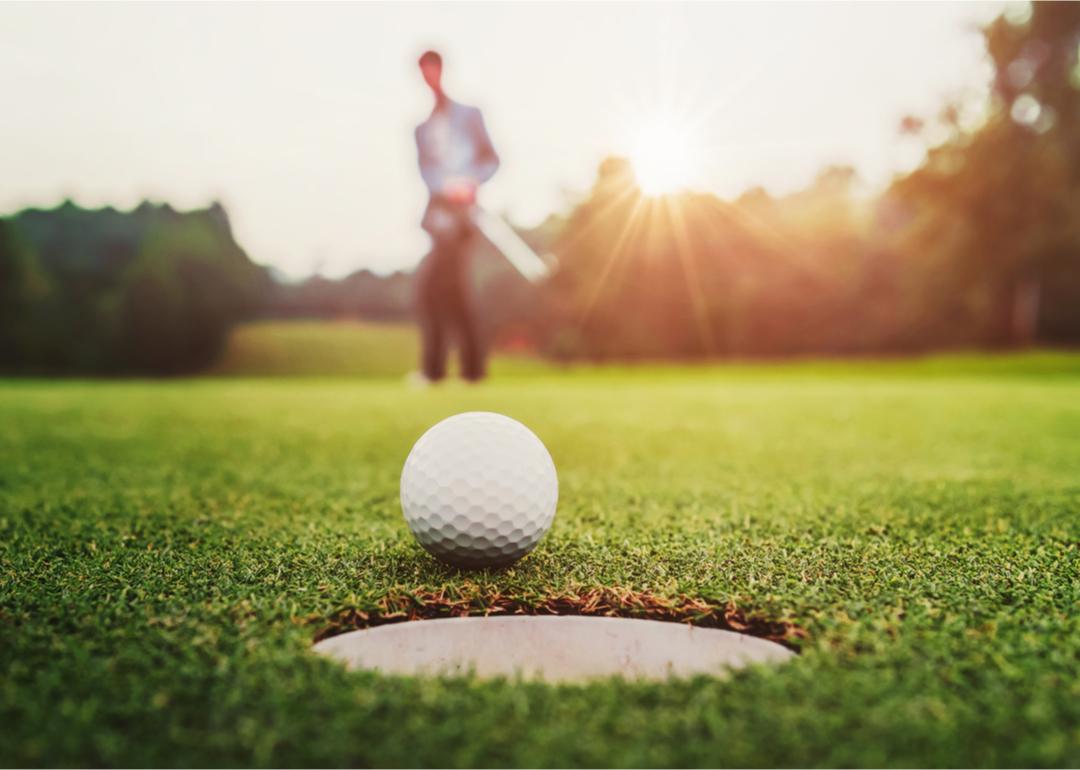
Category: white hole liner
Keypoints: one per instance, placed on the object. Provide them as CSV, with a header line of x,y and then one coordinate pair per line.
x,y
553,648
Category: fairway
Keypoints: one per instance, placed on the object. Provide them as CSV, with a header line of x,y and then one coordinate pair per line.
x,y
169,551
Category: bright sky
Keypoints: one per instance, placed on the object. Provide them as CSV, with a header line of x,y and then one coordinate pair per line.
x,y
299,117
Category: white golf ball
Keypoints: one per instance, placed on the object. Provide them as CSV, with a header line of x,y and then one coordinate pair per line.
x,y
479,489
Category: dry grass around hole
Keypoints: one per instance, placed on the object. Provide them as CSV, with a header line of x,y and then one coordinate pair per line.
x,y
403,605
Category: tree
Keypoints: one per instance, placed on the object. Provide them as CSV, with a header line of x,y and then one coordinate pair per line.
x,y
996,210
102,291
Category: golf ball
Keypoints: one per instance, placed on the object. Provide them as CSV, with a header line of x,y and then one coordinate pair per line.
x,y
479,490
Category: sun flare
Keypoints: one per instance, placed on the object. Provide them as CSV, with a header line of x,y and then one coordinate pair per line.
x,y
665,155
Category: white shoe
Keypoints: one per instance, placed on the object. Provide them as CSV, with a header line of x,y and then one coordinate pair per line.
x,y
415,380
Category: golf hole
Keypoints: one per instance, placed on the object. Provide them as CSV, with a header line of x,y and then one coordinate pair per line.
x,y
550,648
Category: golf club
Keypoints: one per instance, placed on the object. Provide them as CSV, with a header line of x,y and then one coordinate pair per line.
x,y
532,266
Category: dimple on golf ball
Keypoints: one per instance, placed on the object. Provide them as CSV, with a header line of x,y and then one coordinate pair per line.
x,y
479,489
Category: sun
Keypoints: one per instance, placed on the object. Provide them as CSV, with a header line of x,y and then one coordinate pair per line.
x,y
665,155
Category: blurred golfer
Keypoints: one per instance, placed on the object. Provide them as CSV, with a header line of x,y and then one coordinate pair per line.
x,y
456,157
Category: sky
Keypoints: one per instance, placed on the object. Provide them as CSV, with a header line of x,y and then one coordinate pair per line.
x,y
299,117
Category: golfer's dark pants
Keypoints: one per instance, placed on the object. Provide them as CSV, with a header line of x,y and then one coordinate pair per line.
x,y
445,310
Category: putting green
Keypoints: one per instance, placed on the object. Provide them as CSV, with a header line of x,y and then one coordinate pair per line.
x,y
170,550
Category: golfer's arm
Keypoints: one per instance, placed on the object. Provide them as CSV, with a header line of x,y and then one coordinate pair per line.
x,y
430,169
487,162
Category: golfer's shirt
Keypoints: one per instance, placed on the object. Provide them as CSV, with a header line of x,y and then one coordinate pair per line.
x,y
453,142
446,154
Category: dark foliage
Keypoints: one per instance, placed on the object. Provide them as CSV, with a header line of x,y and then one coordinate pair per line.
x,y
362,294
151,291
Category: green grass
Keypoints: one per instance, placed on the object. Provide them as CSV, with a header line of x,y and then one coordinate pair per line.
x,y
321,349
168,551
314,349
318,348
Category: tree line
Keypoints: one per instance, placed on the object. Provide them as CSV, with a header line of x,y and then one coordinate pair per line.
x,y
978,247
